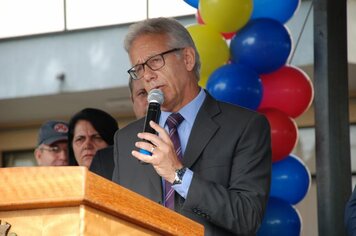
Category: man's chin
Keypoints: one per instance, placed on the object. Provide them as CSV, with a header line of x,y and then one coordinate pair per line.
x,y
61,164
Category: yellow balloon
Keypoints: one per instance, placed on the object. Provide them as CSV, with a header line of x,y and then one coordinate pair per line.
x,y
213,49
226,15
203,80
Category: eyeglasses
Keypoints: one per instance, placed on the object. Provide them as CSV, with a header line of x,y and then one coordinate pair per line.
x,y
155,62
54,149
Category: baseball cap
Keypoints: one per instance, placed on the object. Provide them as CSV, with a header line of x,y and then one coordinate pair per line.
x,y
53,131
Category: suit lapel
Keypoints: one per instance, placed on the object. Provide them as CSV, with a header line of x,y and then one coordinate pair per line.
x,y
203,130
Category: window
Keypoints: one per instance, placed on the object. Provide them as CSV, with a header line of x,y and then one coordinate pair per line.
x,y
305,148
20,17
93,13
169,8
18,158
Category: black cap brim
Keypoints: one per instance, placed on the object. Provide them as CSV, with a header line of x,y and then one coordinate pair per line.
x,y
54,140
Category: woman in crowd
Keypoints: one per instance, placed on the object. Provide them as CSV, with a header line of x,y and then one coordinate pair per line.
x,y
89,131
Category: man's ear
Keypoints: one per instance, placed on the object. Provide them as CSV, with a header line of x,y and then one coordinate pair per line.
x,y
189,58
38,154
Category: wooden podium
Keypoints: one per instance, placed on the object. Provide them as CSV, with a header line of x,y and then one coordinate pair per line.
x,y
74,201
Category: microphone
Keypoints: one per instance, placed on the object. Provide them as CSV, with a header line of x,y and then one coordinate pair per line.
x,y
155,99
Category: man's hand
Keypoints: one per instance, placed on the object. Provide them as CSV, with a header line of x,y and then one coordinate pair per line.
x,y
163,158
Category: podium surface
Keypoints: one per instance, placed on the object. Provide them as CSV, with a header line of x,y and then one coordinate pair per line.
x,y
74,201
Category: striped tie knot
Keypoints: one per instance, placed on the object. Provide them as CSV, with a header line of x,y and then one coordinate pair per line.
x,y
174,120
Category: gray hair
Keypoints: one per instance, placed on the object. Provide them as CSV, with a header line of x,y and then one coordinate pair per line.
x,y
179,36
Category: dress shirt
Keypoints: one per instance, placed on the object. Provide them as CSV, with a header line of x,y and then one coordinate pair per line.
x,y
189,112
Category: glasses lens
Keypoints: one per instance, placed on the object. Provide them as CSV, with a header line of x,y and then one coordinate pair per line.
x,y
156,62
136,72
56,149
132,73
139,70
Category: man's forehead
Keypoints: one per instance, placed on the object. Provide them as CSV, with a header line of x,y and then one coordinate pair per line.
x,y
144,47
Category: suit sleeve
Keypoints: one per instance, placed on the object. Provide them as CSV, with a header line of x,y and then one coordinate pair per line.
x,y
239,205
350,214
103,163
115,174
95,165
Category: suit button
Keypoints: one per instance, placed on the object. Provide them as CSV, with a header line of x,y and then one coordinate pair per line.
x,y
197,211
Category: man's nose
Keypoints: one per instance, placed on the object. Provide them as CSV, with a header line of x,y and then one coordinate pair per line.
x,y
63,154
149,74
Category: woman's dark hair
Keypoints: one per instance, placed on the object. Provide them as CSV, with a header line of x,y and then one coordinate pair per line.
x,y
102,122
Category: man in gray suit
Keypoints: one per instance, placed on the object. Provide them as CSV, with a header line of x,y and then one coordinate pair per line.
x,y
220,170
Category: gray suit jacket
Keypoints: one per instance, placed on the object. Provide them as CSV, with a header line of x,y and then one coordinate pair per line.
x,y
103,162
350,214
229,152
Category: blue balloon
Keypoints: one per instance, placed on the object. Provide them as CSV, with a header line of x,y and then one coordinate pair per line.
x,y
263,45
236,84
280,219
280,10
193,3
290,180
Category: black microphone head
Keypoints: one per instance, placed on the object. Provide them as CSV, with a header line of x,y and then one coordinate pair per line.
x,y
155,95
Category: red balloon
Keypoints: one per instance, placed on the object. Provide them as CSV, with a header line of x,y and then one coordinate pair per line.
x,y
284,133
287,89
199,19
228,35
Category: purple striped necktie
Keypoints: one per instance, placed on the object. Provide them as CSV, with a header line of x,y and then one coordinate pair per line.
x,y
173,122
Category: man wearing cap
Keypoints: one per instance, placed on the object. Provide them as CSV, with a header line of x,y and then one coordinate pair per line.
x,y
52,148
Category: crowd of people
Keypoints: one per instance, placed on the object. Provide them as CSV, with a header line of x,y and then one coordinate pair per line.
x,y
209,161
87,140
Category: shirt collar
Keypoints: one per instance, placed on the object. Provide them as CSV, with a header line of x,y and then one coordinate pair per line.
x,y
189,111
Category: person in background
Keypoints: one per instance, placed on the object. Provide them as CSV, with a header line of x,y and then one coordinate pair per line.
x,y
350,215
103,162
52,144
89,131
211,161
138,96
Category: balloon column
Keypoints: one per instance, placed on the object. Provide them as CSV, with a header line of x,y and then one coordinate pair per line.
x,y
244,47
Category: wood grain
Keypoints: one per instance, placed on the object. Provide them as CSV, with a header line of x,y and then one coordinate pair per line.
x,y
81,220
38,188
50,221
105,224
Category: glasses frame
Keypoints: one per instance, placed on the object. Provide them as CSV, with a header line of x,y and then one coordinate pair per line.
x,y
132,70
54,149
